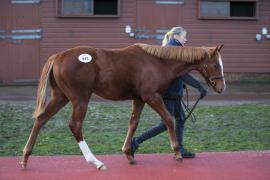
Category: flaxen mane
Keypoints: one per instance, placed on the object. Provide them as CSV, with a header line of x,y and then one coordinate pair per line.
x,y
187,54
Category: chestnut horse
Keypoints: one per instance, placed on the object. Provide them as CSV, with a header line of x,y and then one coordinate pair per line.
x,y
139,72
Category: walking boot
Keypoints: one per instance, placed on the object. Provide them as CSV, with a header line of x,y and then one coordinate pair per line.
x,y
134,146
187,154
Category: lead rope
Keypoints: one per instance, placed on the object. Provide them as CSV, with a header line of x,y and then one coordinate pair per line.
x,y
188,110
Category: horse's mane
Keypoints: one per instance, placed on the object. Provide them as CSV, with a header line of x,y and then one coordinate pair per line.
x,y
186,54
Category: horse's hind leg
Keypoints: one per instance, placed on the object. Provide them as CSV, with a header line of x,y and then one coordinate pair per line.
x,y
57,101
157,104
137,106
79,110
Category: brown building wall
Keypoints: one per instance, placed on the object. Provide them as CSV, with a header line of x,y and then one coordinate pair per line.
x,y
63,33
19,42
241,53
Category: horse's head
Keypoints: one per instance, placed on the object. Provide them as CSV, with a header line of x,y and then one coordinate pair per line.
x,y
212,70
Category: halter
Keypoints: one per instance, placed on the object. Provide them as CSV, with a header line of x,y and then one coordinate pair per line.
x,y
209,82
210,79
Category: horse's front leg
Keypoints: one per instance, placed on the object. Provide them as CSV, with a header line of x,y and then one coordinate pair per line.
x,y
156,102
137,106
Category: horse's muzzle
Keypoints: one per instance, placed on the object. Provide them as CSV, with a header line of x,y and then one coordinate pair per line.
x,y
220,88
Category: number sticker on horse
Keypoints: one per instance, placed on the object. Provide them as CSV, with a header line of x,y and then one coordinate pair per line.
x,y
85,58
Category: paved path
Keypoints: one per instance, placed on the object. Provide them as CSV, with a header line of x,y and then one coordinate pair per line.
x,y
250,165
234,94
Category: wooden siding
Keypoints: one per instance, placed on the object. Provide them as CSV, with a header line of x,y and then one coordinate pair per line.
x,y
63,33
241,53
19,55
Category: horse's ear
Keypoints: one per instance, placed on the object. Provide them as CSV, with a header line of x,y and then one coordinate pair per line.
x,y
215,50
220,46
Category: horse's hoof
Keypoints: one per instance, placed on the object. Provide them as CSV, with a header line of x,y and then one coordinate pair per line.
x,y
23,164
130,159
178,158
102,167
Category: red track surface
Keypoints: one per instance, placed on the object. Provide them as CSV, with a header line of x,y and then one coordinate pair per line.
x,y
206,166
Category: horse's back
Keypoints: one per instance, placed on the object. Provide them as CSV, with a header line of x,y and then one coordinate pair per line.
x,y
126,71
111,73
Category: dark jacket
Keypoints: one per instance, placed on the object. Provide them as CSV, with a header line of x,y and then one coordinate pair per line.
x,y
175,90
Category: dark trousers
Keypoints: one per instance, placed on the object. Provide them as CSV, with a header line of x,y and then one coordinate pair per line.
x,y
176,110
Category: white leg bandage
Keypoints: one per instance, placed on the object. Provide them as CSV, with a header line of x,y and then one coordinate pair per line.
x,y
89,156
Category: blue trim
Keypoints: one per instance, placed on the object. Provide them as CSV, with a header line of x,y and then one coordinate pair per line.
x,y
162,30
25,1
26,31
170,2
30,36
2,36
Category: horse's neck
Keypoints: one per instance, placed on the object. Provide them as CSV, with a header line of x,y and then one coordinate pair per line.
x,y
181,68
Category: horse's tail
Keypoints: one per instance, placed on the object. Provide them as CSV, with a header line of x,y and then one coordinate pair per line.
x,y
42,86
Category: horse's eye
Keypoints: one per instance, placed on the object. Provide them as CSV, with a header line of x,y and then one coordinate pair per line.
x,y
216,66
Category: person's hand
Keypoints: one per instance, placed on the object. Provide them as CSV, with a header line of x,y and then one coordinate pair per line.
x,y
184,86
203,93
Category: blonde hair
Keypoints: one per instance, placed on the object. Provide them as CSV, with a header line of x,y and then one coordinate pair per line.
x,y
169,35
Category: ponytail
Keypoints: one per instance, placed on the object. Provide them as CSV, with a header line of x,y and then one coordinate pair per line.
x,y
169,35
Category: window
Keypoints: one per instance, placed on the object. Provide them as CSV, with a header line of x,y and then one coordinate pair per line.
x,y
76,7
108,7
243,9
228,9
88,8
